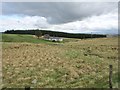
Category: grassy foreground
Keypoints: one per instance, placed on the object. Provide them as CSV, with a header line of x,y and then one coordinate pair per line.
x,y
75,63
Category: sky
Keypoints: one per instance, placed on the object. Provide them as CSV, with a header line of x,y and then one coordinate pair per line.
x,y
71,17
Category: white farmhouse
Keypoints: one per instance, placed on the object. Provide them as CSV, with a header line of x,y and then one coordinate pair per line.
x,y
54,39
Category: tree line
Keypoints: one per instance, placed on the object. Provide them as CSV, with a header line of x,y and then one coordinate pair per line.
x,y
39,33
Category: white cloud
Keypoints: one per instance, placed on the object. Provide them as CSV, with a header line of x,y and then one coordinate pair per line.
x,y
104,23
26,22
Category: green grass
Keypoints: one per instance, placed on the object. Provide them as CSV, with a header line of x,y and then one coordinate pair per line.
x,y
22,38
74,63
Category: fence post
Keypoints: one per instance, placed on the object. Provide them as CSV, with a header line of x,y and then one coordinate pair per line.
x,y
110,75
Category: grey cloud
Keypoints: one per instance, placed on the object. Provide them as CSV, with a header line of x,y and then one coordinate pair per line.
x,y
58,12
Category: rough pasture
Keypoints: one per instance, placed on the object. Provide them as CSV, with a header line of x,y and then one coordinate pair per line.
x,y
75,63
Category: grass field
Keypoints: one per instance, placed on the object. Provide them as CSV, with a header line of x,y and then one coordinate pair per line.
x,y
22,38
28,61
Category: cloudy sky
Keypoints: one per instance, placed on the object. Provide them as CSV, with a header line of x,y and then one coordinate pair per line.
x,y
71,17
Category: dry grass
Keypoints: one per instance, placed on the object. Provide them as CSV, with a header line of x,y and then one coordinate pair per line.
x,y
0,65
82,63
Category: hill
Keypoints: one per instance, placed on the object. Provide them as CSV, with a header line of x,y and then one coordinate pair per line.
x,y
56,34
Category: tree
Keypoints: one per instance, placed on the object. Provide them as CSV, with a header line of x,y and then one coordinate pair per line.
x,y
38,33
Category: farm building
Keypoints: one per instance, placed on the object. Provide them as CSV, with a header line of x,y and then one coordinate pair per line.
x,y
55,39
48,37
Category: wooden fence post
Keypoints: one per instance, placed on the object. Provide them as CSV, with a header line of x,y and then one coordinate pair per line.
x,y
110,75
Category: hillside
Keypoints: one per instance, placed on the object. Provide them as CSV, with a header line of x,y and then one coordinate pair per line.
x,y
75,63
22,38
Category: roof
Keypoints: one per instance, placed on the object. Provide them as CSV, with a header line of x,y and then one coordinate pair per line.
x,y
55,38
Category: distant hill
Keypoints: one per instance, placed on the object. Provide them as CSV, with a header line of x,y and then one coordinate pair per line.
x,y
56,34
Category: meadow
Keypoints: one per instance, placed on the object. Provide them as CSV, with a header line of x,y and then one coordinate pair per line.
x,y
73,63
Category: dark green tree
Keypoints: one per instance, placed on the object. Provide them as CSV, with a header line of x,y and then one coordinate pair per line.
x,y
38,34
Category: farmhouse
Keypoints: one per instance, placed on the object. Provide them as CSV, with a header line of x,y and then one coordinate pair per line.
x,y
55,39
48,37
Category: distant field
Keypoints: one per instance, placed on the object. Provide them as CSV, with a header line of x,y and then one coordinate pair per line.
x,y
22,38
28,61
